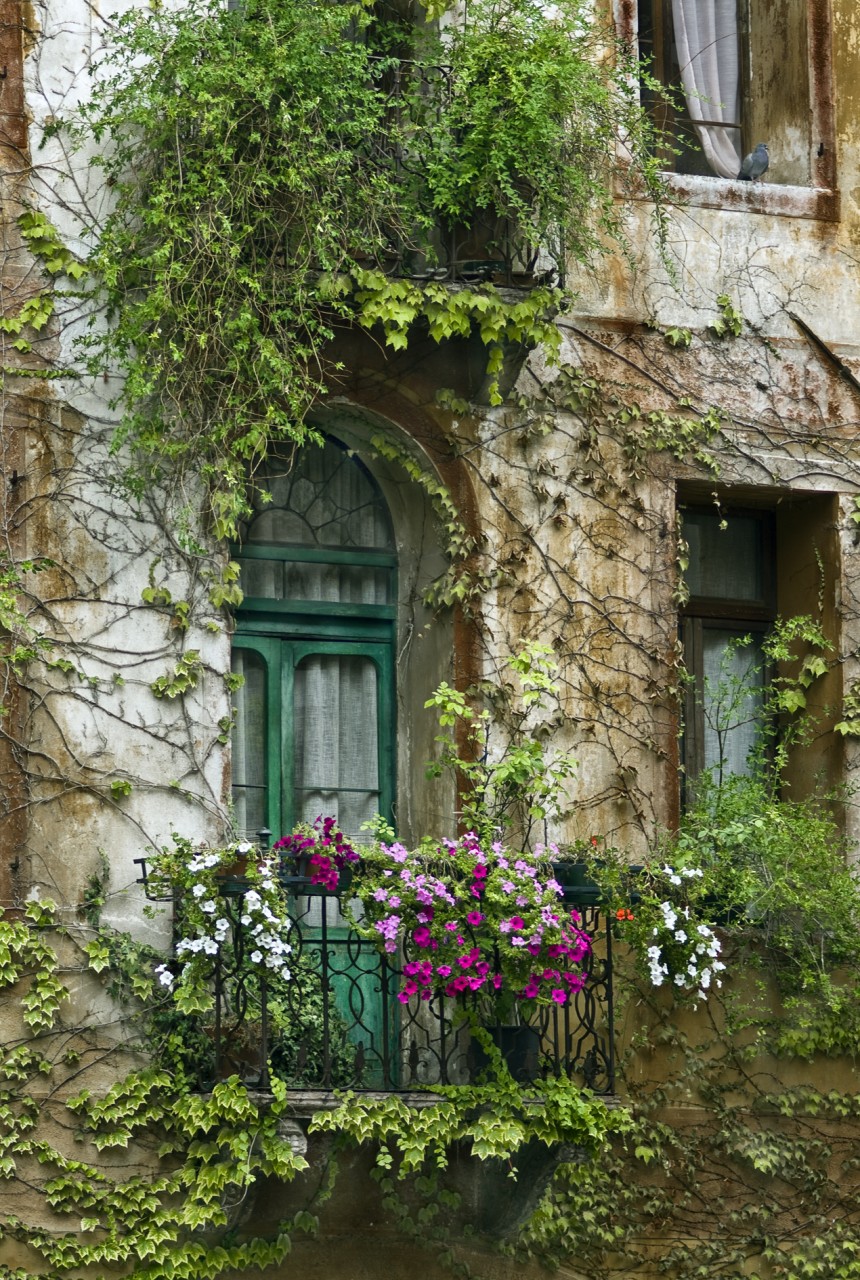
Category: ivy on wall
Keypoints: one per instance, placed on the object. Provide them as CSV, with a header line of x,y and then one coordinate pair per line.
x,y
173,1208
274,167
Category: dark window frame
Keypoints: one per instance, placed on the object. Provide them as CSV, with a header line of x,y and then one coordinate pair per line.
x,y
740,616
284,632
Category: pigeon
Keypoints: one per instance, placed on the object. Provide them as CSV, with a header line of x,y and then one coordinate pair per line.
x,y
755,164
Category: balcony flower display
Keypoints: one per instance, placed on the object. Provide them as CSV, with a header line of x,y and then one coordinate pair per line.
x,y
472,923
664,914
318,853
214,891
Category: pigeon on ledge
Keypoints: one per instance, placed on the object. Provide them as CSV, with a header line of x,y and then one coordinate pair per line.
x,y
755,164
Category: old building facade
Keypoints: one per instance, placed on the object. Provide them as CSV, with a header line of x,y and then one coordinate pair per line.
x,y
699,428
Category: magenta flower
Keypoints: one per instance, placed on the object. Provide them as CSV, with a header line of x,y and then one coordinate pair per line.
x,y
474,918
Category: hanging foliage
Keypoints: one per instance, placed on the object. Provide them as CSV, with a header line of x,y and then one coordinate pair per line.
x,y
275,166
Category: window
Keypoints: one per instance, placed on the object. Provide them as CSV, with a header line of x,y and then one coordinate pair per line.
x,y
732,600
741,72
314,642
746,566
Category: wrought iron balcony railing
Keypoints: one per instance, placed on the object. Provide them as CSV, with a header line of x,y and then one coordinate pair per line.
x,y
337,1021
489,247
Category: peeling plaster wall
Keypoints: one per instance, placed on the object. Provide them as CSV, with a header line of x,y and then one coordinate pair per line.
x,y
86,717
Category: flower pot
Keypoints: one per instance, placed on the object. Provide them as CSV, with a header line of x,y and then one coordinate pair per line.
x,y
576,882
520,1050
233,878
294,869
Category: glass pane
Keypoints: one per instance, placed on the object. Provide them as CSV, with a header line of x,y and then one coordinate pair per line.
x,y
733,699
327,498
297,580
250,791
725,564
349,584
263,579
336,740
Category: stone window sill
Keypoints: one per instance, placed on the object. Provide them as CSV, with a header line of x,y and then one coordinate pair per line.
x,y
819,203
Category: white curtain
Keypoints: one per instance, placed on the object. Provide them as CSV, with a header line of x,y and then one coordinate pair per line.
x,y
706,39
249,745
335,735
733,700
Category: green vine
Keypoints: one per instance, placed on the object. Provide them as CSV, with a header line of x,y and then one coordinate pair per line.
x,y
184,676
266,191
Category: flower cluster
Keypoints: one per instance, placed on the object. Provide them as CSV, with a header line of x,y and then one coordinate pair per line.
x,y
322,848
677,945
472,922
207,915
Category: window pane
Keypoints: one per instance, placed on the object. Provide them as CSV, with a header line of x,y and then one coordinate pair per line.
x,y
349,584
297,580
732,699
326,499
250,792
725,564
262,579
336,740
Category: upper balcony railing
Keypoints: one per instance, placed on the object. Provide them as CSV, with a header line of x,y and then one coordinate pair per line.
x,y
489,248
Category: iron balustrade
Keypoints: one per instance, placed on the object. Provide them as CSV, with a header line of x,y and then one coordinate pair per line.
x,y
490,247
337,1022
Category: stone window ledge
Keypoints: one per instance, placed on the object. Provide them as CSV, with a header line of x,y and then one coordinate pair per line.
x,y
818,203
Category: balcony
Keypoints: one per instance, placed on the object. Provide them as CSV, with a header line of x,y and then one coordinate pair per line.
x,y
337,1023
490,248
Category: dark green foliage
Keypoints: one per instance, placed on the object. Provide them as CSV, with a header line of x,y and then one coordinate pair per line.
x,y
781,880
272,166
235,146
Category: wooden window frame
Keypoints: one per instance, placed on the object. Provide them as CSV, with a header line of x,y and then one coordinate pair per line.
x,y
700,613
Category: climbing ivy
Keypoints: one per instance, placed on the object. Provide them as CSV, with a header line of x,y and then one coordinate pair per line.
x,y
201,1153
270,184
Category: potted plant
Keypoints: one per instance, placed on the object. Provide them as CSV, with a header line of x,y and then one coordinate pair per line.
x,y
474,924
211,918
315,854
664,912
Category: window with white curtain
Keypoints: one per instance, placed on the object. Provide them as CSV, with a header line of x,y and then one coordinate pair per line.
x,y
314,727
738,73
732,602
